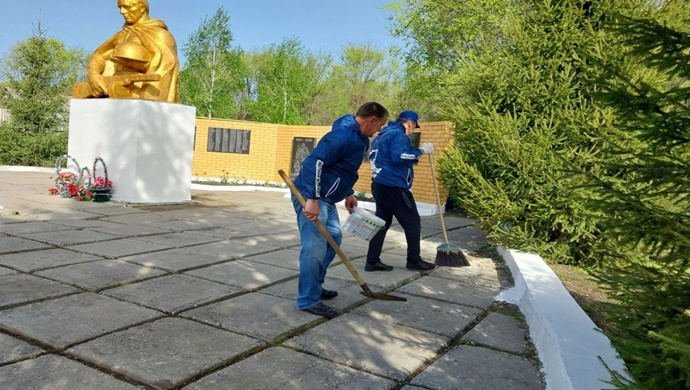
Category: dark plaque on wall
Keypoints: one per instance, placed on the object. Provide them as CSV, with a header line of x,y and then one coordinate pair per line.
x,y
228,140
301,147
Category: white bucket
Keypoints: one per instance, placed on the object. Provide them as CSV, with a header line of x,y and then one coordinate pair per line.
x,y
363,224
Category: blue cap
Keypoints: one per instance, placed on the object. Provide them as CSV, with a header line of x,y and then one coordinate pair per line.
x,y
410,116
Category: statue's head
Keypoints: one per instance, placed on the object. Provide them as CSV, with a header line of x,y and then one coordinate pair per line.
x,y
133,10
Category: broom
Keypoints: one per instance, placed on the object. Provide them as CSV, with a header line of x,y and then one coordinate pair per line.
x,y
448,254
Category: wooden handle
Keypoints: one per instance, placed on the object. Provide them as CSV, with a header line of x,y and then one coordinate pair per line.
x,y
438,198
325,233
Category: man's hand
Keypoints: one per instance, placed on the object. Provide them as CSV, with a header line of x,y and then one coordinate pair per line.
x,y
427,148
311,209
351,203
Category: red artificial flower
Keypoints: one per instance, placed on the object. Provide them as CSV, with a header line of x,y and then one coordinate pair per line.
x,y
53,191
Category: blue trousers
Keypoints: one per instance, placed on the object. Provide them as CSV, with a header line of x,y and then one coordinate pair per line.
x,y
316,254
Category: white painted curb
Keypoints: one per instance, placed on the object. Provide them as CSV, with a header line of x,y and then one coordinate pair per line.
x,y
17,168
570,346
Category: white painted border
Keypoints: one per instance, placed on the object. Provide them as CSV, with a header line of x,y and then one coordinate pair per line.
x,y
570,346
17,168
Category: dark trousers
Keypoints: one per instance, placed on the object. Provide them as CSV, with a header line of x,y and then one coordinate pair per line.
x,y
399,203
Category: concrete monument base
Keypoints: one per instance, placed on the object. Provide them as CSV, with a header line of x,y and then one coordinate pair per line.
x,y
147,146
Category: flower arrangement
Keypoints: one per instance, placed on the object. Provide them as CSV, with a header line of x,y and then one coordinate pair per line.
x,y
100,186
81,185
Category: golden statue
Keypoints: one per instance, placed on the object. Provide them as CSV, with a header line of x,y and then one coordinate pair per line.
x,y
139,62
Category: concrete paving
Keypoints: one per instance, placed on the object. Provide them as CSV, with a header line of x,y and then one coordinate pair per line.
x,y
202,296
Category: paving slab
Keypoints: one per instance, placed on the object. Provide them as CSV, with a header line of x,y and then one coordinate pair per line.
x,y
83,223
14,244
245,274
69,237
480,296
113,208
270,227
348,292
289,370
179,240
175,260
472,238
500,332
130,230
481,271
118,248
350,242
475,368
57,373
427,252
378,347
220,219
381,280
181,225
174,293
282,240
18,289
6,271
452,222
137,217
166,353
76,318
43,259
425,314
260,316
12,349
28,227
235,249
101,274
245,229
288,258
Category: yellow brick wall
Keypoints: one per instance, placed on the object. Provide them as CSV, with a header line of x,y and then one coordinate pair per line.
x,y
271,149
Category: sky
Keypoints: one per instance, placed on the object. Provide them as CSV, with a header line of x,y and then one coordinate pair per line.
x,y
321,25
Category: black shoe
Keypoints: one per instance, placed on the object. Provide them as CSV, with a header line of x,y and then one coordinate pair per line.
x,y
328,294
322,310
421,265
377,267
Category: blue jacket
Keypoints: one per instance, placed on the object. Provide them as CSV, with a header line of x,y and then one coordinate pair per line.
x,y
392,157
330,171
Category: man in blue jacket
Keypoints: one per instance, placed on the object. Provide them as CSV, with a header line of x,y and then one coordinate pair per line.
x,y
392,159
326,178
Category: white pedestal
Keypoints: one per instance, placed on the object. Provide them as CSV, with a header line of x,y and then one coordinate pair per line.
x,y
147,146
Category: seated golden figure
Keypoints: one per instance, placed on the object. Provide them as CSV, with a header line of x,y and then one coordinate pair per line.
x,y
139,62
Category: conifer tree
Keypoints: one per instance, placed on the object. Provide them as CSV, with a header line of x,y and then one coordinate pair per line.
x,y
648,198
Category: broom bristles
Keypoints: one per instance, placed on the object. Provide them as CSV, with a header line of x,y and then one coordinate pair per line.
x,y
451,258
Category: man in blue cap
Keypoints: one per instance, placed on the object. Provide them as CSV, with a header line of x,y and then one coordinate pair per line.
x,y
392,158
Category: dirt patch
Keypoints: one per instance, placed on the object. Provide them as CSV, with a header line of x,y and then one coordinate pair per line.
x,y
587,293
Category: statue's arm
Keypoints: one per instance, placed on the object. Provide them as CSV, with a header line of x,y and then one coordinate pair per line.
x,y
96,66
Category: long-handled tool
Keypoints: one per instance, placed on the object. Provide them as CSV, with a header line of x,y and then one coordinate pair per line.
x,y
448,254
366,291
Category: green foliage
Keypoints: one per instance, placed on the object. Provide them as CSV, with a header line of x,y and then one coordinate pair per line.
x,y
524,116
572,142
213,78
443,38
40,73
287,78
38,150
646,198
